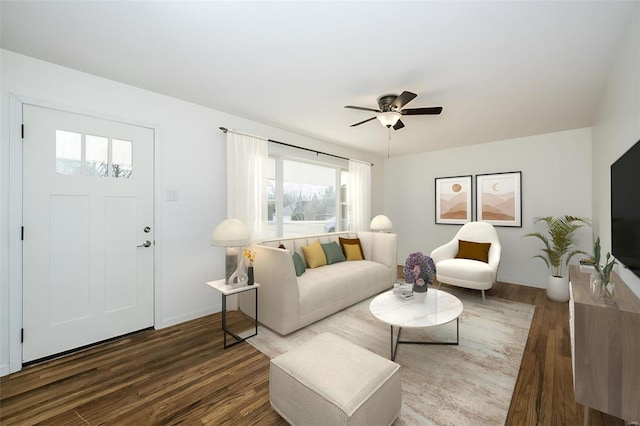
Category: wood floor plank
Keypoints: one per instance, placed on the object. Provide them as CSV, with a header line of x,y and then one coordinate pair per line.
x,y
181,375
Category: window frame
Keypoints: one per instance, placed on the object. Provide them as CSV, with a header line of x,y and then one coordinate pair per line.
x,y
279,159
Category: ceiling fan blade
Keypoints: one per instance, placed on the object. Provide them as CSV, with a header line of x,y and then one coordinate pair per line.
x,y
422,111
404,98
362,108
362,122
399,125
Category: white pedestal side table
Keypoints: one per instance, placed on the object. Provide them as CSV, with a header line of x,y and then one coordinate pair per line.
x,y
228,290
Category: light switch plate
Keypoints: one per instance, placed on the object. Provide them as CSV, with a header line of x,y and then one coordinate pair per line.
x,y
172,195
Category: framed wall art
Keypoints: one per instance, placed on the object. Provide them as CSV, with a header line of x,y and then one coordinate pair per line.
x,y
499,198
453,200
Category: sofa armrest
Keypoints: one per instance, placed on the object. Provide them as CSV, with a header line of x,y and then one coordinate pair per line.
x,y
447,251
381,247
278,296
495,253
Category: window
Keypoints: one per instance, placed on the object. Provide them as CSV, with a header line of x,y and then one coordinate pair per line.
x,y
97,156
121,159
68,153
303,197
90,155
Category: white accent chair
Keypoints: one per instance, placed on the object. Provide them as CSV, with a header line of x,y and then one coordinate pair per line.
x,y
469,273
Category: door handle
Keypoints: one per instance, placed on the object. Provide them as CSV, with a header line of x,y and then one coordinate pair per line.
x,y
145,244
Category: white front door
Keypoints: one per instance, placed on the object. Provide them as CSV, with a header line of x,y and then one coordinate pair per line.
x,y
87,213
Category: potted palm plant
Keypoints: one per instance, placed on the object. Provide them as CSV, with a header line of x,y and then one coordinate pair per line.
x,y
559,247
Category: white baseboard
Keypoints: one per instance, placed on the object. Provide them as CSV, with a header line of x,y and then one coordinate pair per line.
x,y
168,322
4,370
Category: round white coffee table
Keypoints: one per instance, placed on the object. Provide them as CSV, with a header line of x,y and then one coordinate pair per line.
x,y
439,307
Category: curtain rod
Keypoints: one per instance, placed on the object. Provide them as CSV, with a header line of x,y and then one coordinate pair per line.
x,y
225,130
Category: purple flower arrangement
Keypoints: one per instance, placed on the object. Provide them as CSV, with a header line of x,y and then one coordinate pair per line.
x,y
419,270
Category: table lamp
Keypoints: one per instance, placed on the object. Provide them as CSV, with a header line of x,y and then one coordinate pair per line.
x,y
233,234
381,223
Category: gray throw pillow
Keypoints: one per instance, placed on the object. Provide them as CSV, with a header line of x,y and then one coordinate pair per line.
x,y
333,253
298,263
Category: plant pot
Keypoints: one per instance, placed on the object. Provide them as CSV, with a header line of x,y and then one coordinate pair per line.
x,y
250,275
420,292
604,291
558,289
420,296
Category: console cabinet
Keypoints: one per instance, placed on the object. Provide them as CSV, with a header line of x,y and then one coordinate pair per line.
x,y
605,346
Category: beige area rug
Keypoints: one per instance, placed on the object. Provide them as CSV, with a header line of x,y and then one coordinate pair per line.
x,y
469,384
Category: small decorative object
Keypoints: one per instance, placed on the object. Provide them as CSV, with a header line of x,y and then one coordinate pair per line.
x,y
558,250
250,275
250,255
419,270
239,277
601,283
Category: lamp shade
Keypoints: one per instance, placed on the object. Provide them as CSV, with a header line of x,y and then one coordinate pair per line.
x,y
389,118
231,233
380,223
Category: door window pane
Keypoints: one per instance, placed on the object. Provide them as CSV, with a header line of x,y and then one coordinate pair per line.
x,y
97,155
68,153
121,158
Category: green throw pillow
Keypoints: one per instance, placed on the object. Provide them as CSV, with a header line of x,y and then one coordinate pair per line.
x,y
298,263
333,253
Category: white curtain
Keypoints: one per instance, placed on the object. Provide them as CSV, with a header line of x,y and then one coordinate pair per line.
x,y
359,189
247,162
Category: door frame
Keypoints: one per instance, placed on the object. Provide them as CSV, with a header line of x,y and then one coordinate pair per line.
x,y
16,103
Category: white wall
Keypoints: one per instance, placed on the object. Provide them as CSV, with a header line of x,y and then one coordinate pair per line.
x,y
193,163
556,180
616,129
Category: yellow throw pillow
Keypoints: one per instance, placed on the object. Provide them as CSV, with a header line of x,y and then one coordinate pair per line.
x,y
473,251
314,255
344,242
352,252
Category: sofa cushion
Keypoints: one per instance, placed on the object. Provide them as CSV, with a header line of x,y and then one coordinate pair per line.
x,y
333,253
348,245
465,273
325,290
314,255
298,264
473,251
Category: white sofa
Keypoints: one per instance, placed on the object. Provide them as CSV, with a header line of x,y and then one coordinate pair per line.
x,y
287,303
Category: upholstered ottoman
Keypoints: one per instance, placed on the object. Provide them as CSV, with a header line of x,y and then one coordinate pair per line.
x,y
330,381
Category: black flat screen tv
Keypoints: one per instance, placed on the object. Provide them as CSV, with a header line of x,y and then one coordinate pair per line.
x,y
625,209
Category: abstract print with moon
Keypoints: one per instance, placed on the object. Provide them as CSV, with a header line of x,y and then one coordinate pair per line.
x,y
498,199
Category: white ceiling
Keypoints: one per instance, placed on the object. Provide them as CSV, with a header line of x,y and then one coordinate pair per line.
x,y
499,69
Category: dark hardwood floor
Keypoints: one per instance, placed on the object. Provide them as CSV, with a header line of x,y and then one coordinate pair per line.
x,y
181,375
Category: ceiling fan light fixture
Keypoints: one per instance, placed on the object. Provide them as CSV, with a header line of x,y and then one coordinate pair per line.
x,y
389,118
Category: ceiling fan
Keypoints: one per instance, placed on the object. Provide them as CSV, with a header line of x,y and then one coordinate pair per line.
x,y
390,110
